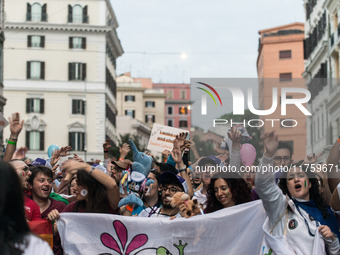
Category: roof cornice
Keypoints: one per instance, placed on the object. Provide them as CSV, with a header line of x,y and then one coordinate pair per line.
x,y
57,27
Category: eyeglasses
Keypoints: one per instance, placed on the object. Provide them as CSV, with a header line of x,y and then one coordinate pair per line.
x,y
278,159
171,189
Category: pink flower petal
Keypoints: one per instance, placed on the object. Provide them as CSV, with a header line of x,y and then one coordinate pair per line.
x,y
110,242
137,241
121,232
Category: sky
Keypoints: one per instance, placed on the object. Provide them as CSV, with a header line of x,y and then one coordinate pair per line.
x,y
173,41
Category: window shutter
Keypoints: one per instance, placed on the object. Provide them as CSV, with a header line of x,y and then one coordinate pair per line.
x,y
44,14
146,118
29,41
83,71
70,71
133,114
42,105
42,70
70,140
28,105
70,42
28,69
42,141
85,18
83,43
69,16
82,141
83,107
28,139
42,41
153,118
153,104
29,13
74,106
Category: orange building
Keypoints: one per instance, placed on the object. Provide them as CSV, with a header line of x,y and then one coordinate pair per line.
x,y
280,63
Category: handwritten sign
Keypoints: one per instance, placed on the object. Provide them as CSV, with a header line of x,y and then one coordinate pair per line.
x,y
162,137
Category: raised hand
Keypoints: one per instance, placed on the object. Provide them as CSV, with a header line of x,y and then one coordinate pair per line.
x,y
106,145
20,153
181,139
235,136
124,150
65,151
15,125
270,142
176,152
55,157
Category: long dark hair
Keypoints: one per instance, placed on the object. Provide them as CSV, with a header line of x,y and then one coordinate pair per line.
x,y
237,185
97,201
13,225
314,193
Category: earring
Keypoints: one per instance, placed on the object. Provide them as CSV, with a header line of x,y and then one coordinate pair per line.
x,y
83,192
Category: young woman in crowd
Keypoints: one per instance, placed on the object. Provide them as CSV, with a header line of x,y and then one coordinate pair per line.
x,y
15,236
299,215
96,191
226,190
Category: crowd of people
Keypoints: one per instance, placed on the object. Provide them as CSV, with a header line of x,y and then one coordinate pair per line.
x,y
299,202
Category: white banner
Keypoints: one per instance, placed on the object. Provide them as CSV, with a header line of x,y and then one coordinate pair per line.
x,y
235,230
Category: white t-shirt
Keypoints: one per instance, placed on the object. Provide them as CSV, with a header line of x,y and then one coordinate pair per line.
x,y
37,246
201,198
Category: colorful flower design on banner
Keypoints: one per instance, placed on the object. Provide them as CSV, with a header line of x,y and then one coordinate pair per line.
x,y
136,242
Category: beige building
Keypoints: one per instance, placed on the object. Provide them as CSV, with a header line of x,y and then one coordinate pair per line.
x,y
138,102
60,73
139,107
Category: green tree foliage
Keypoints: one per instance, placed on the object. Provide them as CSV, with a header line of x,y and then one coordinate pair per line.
x,y
254,132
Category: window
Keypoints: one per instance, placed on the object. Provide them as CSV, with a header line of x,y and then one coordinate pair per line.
x,y
77,14
78,106
284,54
130,113
77,43
35,105
149,104
35,140
76,71
169,94
36,12
169,110
284,77
183,123
35,70
36,41
183,94
129,98
77,140
149,118
183,110
170,123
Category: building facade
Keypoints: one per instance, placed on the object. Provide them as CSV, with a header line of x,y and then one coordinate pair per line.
x,y
60,73
139,107
321,53
177,104
2,39
280,64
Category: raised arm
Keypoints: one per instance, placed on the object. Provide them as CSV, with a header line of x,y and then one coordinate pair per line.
x,y
271,195
332,161
15,127
108,182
